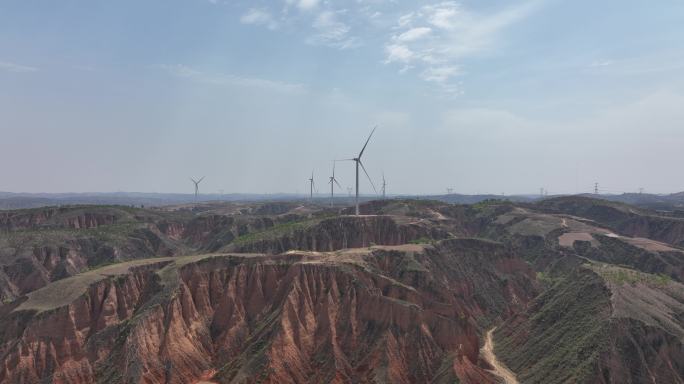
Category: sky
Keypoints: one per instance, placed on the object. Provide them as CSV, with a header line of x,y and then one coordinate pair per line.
x,y
483,96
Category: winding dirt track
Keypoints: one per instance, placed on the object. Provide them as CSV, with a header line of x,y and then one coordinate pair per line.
x,y
499,368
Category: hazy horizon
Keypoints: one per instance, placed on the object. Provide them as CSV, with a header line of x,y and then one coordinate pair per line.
x,y
482,97
325,194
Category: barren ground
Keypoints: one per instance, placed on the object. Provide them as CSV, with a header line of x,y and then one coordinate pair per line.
x,y
499,368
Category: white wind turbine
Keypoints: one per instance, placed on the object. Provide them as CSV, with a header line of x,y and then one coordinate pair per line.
x,y
312,185
196,182
332,182
358,162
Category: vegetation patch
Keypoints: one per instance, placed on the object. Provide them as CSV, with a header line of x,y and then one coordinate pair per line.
x,y
619,275
566,327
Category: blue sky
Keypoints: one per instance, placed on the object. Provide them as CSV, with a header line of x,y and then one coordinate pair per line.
x,y
481,96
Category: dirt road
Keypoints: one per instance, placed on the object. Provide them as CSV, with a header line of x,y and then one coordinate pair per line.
x,y
499,368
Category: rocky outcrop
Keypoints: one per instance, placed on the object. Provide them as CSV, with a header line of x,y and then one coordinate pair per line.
x,y
38,246
335,233
30,260
391,314
54,344
66,217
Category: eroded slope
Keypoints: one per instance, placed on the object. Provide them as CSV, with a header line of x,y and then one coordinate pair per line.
x,y
399,314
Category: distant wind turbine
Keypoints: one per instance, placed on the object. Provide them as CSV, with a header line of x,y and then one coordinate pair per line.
x,y
332,182
312,185
384,185
358,162
196,182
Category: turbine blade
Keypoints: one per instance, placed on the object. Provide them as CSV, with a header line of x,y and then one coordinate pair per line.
x,y
369,137
338,184
369,179
193,180
200,180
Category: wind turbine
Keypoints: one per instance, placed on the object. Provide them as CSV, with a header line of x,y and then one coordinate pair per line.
x,y
196,182
358,162
333,181
312,185
384,184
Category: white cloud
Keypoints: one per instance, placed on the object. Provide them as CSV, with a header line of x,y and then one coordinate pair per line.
x,y
259,17
600,63
13,67
414,34
440,74
180,70
437,37
307,4
332,32
406,20
398,53
304,5
445,15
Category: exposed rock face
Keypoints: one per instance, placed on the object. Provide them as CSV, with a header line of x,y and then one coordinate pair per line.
x,y
337,233
60,218
403,315
38,246
33,259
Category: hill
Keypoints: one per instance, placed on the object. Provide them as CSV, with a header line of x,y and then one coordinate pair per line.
x,y
564,290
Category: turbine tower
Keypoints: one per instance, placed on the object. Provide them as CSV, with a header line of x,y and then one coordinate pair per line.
x,y
196,182
358,162
384,185
312,185
332,182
